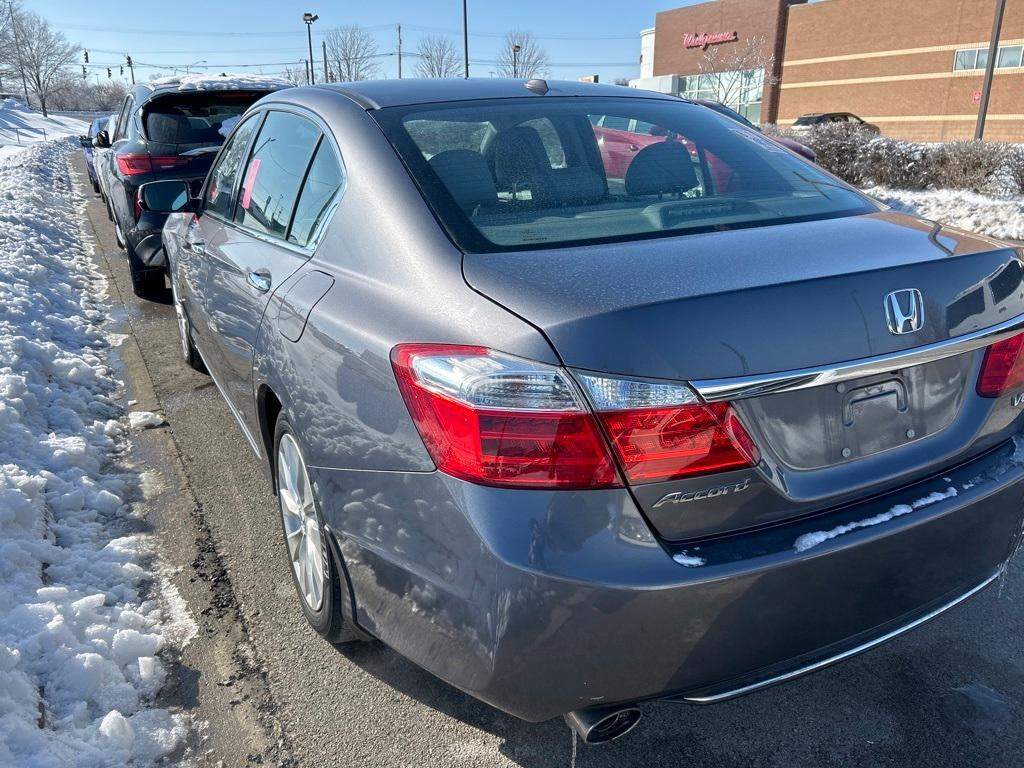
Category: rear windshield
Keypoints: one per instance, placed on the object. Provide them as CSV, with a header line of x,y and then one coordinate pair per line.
x,y
530,173
197,118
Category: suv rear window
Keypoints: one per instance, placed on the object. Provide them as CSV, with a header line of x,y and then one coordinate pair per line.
x,y
191,118
510,174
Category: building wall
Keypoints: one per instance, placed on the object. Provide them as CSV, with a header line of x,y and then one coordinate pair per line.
x,y
891,63
761,20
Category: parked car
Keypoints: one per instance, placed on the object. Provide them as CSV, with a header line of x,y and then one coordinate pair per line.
x,y
101,156
571,444
796,146
806,122
169,128
87,146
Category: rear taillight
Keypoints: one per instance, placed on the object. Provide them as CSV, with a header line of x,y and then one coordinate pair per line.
x,y
1003,367
138,204
664,432
132,164
500,420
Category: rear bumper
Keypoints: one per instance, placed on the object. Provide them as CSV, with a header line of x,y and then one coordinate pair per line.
x,y
541,603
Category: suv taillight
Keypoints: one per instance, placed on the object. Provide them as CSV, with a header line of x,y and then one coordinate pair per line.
x,y
132,164
495,419
1003,367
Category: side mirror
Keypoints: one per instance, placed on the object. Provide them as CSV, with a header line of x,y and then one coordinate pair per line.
x,y
84,141
170,196
102,140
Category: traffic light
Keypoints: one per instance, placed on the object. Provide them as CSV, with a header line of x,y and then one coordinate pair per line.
x,y
86,57
128,59
84,74
109,74
122,70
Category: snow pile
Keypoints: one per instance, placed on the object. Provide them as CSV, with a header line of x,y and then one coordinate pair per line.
x,y
993,216
145,420
809,540
80,626
21,126
224,82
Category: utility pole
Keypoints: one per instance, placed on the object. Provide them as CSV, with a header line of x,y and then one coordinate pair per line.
x,y
17,44
465,39
993,52
305,63
323,44
399,51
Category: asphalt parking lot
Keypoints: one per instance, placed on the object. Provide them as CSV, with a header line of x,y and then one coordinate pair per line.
x,y
272,692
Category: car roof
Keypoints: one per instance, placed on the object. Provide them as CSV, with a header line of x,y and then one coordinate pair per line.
x,y
379,94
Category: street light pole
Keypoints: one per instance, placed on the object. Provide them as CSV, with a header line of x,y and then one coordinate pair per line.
x,y
465,40
515,60
993,52
187,66
309,18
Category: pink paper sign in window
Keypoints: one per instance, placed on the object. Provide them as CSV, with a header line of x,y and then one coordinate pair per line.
x,y
250,181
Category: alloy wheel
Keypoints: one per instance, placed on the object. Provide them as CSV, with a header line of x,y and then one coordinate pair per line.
x,y
301,526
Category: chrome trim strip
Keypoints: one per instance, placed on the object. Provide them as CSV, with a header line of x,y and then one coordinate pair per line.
x,y
714,698
714,390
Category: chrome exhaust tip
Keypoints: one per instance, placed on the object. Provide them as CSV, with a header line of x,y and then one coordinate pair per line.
x,y
600,725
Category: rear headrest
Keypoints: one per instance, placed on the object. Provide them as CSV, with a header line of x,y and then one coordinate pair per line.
x,y
660,168
467,177
519,158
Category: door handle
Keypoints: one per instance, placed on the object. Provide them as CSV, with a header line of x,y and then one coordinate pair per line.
x,y
196,246
260,280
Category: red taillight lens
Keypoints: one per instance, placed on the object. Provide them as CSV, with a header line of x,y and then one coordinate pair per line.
x,y
138,204
134,164
1003,367
499,420
668,443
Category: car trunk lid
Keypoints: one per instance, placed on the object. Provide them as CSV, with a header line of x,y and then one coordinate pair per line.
x,y
746,303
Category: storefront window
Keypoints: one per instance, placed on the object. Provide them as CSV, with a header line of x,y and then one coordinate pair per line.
x,y
741,90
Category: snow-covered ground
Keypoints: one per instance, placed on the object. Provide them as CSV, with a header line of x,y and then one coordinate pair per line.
x,y
21,127
84,617
994,216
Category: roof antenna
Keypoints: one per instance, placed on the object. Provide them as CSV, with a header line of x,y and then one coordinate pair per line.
x,y
536,85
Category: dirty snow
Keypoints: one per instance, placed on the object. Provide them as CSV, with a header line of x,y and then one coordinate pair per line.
x,y
145,420
809,540
223,82
993,216
82,630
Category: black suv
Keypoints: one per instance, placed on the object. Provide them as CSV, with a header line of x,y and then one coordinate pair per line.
x,y
167,129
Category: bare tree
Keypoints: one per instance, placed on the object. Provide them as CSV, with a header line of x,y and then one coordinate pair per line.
x,y
41,54
530,60
294,75
351,54
438,57
735,68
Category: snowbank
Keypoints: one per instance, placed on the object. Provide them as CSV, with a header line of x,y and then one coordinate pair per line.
x,y
993,216
81,624
224,82
21,127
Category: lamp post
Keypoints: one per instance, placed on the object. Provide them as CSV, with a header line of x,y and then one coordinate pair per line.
x,y
309,18
465,40
515,59
193,64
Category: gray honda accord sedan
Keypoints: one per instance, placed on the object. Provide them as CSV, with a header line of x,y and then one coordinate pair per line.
x,y
579,396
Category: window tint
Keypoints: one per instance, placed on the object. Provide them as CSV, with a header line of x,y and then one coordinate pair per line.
x,y
318,192
122,119
436,136
615,122
696,173
204,118
274,173
219,198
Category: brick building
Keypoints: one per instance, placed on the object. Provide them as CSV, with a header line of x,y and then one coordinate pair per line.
x,y
912,67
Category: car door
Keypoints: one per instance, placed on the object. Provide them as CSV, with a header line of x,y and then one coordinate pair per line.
x,y
247,257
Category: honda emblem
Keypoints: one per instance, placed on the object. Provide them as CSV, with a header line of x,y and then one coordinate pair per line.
x,y
904,311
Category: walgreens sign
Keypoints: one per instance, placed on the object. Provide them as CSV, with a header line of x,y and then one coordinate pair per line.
x,y
704,39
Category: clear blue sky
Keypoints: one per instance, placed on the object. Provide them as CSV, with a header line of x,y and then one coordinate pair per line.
x,y
580,37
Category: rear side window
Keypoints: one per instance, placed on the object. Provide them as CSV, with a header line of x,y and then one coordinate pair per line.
x,y
219,199
204,118
322,185
275,171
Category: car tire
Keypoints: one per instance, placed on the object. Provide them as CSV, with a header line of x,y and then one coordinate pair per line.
x,y
188,350
146,281
315,572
